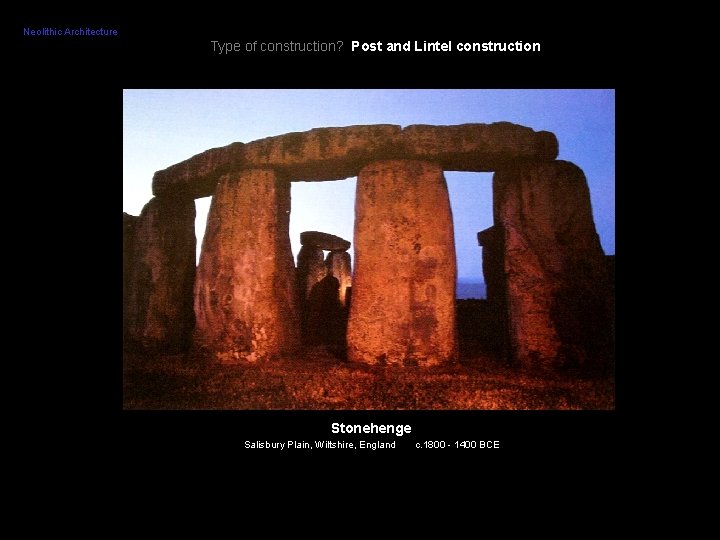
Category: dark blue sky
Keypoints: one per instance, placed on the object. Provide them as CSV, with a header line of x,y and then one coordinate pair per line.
x,y
162,127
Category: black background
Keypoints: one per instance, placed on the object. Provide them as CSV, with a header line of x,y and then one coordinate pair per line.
x,y
69,141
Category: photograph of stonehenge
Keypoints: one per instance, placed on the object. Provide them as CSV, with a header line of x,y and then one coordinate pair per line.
x,y
251,325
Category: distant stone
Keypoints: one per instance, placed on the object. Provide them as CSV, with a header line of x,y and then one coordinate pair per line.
x,y
310,268
339,266
321,240
493,260
309,272
491,240
326,317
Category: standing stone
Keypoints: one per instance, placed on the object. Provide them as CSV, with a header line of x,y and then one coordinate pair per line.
x,y
339,266
403,306
129,223
245,305
326,321
610,268
493,259
160,276
323,310
310,269
556,282
491,240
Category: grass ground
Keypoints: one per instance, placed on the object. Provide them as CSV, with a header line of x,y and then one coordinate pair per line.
x,y
320,381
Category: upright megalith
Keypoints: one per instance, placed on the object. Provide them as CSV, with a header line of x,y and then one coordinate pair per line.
x,y
310,269
491,240
129,223
493,260
556,285
245,298
403,305
160,271
326,317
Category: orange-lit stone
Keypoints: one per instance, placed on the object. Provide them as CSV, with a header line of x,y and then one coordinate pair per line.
x,y
245,298
339,266
403,295
159,274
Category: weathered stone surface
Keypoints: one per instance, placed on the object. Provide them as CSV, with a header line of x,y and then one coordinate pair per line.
x,y
198,176
478,147
310,269
128,241
340,267
129,223
331,153
610,268
340,152
160,274
556,281
403,305
245,298
318,154
323,240
322,285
